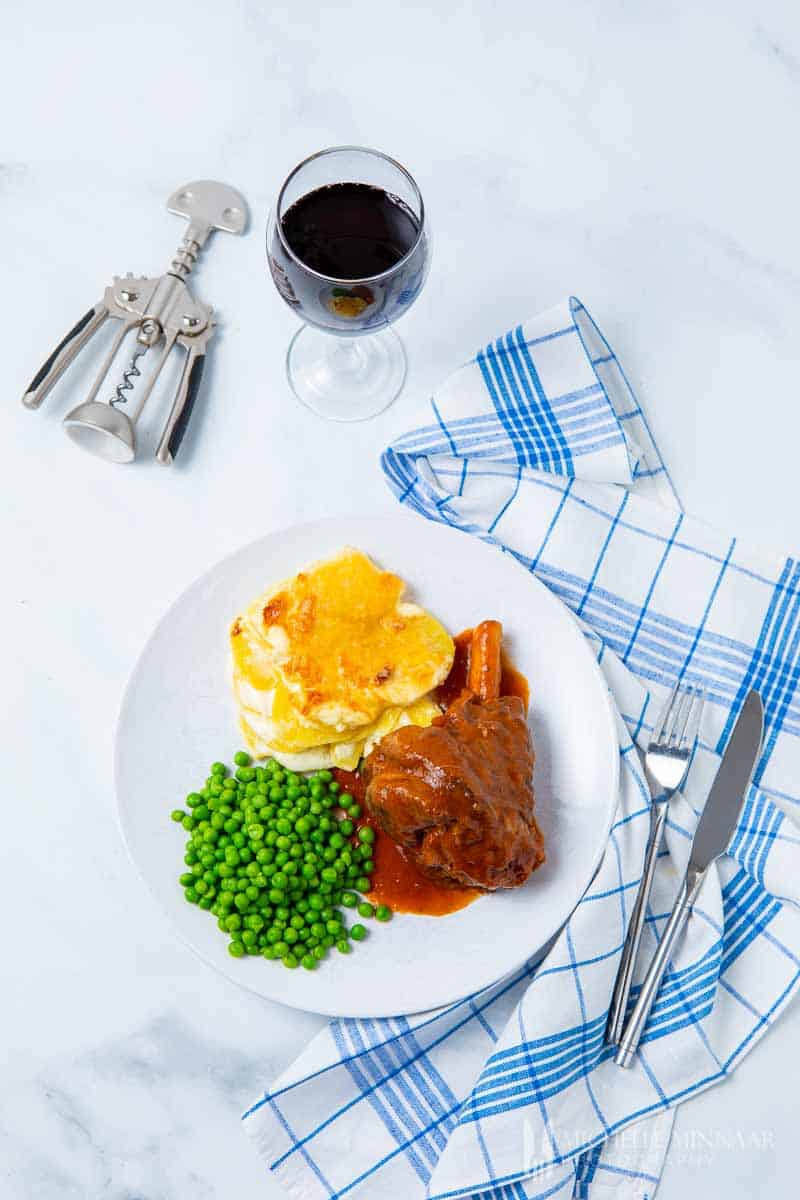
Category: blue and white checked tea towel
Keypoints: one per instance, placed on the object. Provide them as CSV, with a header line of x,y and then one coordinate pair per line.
x,y
540,446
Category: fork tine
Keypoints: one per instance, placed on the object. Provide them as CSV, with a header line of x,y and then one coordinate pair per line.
x,y
689,734
681,719
664,717
667,738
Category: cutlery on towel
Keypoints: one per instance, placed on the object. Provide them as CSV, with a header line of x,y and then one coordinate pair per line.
x,y
712,836
667,761
155,311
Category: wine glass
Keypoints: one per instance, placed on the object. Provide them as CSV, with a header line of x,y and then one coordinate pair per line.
x,y
348,246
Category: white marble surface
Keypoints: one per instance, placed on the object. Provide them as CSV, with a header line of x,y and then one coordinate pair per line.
x,y
641,156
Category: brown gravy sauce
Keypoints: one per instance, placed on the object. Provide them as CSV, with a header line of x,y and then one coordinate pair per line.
x,y
397,881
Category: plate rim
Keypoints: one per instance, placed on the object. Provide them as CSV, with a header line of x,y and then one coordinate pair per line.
x,y
612,741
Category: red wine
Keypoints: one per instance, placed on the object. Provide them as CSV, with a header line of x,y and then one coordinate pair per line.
x,y
346,232
350,230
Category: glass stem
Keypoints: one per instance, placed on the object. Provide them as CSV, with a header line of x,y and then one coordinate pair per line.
x,y
347,355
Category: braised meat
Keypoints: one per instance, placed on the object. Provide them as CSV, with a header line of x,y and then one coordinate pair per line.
x,y
458,796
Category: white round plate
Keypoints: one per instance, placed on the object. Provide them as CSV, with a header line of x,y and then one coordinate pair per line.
x,y
178,717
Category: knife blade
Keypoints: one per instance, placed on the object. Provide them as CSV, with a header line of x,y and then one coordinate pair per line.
x,y
711,839
726,798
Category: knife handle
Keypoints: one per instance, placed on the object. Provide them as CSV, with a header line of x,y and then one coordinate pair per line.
x,y
690,886
622,986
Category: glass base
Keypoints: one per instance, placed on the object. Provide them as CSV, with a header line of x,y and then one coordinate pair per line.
x,y
346,379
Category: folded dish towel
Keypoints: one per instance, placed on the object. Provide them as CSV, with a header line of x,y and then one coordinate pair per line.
x,y
539,445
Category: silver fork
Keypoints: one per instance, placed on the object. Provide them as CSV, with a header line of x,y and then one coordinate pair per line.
x,y
666,761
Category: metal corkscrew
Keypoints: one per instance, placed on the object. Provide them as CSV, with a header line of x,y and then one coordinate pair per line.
x,y
158,311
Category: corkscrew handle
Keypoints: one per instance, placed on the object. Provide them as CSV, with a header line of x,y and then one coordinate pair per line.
x,y
181,411
66,350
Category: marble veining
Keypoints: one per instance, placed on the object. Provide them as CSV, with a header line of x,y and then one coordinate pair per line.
x,y
125,1118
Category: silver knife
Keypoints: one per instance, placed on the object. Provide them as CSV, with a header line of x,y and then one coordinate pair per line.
x,y
712,836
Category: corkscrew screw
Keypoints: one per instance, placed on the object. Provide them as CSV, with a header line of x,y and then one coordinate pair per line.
x,y
156,312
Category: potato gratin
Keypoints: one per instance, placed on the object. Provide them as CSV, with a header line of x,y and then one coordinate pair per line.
x,y
327,663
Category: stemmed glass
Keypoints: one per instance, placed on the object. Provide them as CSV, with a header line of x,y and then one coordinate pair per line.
x,y
348,209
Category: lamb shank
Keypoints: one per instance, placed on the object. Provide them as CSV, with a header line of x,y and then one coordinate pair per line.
x,y
458,796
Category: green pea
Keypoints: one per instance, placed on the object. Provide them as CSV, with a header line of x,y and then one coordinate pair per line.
x,y
343,946
346,827
362,884
289,960
178,815
366,834
365,909
383,913
358,933
241,758
236,949
349,899
309,962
